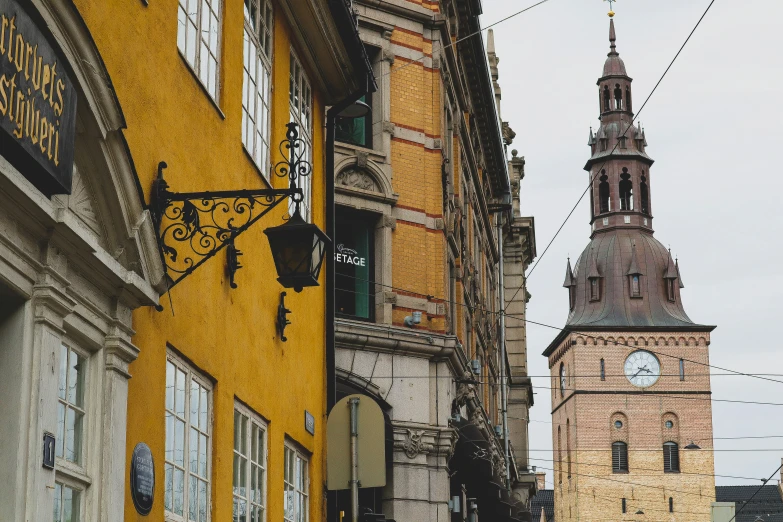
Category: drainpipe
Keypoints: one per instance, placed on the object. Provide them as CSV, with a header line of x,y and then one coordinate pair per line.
x,y
331,367
503,359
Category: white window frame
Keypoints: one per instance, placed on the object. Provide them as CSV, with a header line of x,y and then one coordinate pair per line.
x,y
191,375
192,43
72,486
258,47
62,461
301,112
253,420
292,451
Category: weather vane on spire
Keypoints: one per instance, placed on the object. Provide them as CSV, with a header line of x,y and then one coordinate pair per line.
x,y
611,11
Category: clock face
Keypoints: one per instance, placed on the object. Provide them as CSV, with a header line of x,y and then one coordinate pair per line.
x,y
642,369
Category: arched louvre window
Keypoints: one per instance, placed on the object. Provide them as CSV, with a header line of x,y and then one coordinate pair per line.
x,y
619,457
671,457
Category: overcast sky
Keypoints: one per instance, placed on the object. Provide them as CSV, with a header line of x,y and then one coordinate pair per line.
x,y
714,129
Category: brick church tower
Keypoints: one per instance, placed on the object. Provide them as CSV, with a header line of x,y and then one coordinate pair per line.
x,y
631,411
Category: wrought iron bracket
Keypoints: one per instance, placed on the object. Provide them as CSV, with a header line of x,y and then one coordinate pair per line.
x,y
194,226
282,318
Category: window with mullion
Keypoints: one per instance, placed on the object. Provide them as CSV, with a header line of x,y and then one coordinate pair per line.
x,y
249,466
70,405
257,81
188,440
198,39
296,485
67,503
300,99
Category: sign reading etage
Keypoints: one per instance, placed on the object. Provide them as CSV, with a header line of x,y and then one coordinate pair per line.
x,y
37,101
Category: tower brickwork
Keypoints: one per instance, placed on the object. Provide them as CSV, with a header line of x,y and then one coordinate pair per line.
x,y
630,389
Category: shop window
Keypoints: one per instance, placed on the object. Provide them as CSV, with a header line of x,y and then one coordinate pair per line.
x,y
354,264
619,457
198,40
257,81
67,503
70,406
250,443
188,442
300,98
296,486
671,457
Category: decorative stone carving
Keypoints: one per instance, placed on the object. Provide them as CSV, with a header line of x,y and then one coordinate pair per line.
x,y
358,179
80,202
361,159
413,444
389,127
389,222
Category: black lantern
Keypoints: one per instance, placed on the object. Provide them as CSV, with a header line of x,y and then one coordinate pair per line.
x,y
298,248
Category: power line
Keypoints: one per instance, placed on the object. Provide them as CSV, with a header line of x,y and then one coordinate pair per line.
x,y
424,55
754,450
524,319
755,493
618,141
635,469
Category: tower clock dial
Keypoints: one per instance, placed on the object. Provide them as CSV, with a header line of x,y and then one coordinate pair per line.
x,y
642,369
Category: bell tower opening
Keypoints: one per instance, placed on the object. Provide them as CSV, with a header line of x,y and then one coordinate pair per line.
x,y
645,196
618,97
626,190
603,193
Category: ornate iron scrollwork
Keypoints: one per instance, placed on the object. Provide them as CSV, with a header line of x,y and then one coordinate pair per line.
x,y
192,227
282,318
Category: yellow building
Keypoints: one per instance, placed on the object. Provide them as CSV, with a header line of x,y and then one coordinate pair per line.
x,y
233,416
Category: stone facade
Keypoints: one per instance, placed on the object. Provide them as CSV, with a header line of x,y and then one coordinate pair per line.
x,y
428,181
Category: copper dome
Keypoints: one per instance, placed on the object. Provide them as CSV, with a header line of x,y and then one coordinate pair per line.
x,y
614,256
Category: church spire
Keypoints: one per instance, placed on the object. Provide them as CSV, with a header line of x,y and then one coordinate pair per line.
x,y
612,40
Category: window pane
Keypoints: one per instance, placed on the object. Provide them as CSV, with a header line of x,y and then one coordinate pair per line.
x,y
193,499
203,404
179,402
168,495
170,372
60,443
202,456
194,395
75,378
179,442
202,501
193,450
179,491
63,370
71,505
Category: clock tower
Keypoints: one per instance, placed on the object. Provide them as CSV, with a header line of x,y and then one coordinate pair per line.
x,y
631,411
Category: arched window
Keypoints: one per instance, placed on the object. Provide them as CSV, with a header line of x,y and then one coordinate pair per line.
x,y
607,99
619,457
603,370
626,191
603,193
671,457
645,196
628,98
559,457
568,446
618,97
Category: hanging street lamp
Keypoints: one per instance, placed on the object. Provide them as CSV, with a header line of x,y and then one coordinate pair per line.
x,y
193,227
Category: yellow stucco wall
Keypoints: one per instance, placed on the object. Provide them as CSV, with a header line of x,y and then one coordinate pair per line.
x,y
227,334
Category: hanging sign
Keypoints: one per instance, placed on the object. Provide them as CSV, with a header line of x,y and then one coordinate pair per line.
x,y
37,101
142,478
